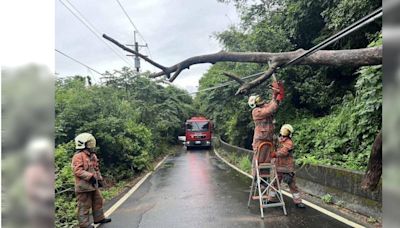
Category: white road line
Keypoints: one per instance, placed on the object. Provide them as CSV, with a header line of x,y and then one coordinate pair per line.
x,y
131,191
316,207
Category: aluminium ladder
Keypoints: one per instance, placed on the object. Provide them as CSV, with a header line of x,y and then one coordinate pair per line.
x,y
264,180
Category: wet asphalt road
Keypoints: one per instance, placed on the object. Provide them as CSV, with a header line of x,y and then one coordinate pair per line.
x,y
196,189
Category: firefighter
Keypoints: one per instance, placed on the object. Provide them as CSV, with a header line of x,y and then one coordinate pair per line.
x,y
284,162
88,179
262,114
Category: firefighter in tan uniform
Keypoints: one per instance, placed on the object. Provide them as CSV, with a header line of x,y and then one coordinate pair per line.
x,y
88,179
262,114
285,165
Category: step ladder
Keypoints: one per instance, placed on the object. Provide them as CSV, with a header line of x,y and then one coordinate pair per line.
x,y
264,180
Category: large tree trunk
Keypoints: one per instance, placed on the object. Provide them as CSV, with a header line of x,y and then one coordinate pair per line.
x,y
353,57
338,58
374,169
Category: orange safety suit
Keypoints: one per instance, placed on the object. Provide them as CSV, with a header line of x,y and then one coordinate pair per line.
x,y
86,165
263,120
285,165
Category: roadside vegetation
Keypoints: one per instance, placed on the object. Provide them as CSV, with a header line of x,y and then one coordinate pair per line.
x,y
134,120
336,112
243,162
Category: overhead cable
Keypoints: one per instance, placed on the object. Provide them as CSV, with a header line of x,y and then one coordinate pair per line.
x,y
77,61
90,27
346,31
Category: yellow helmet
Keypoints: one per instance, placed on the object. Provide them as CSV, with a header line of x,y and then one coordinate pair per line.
x,y
85,140
254,101
286,130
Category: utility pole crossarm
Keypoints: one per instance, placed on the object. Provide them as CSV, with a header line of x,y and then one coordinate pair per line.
x,y
161,67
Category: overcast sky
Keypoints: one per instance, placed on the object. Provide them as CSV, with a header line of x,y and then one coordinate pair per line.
x,y
173,29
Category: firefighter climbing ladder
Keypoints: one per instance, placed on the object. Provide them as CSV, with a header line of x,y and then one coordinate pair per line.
x,y
264,181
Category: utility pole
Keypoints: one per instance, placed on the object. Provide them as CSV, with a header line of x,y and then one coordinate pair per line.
x,y
136,57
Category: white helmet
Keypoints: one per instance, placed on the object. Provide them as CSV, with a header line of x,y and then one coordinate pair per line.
x,y
286,130
85,140
254,100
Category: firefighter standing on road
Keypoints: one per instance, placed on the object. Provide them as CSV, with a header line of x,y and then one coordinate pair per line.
x,y
87,181
284,162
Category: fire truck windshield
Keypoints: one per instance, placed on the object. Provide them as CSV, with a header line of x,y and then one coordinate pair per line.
x,y
197,126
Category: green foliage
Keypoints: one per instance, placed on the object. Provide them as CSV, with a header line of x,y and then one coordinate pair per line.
x,y
336,112
114,190
133,120
327,198
65,205
241,161
62,157
345,137
372,220
341,13
245,164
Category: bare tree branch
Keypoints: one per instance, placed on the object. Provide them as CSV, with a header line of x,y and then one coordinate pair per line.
x,y
234,77
353,57
247,86
159,66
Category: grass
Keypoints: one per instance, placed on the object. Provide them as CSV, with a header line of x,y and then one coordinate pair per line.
x,y
113,191
242,162
327,198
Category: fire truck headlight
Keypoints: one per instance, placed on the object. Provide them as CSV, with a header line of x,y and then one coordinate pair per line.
x,y
207,142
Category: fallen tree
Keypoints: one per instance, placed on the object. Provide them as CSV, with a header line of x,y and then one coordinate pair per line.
x,y
336,58
352,57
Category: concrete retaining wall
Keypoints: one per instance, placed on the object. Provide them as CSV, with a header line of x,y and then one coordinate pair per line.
x,y
319,180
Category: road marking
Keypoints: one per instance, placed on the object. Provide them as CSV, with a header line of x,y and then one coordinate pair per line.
x,y
316,207
131,191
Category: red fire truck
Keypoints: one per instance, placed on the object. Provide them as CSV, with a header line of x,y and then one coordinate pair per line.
x,y
198,132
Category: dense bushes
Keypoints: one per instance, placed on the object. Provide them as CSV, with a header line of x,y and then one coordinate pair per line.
x,y
132,118
336,112
345,137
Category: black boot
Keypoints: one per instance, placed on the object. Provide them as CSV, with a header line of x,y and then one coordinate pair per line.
x,y
300,205
104,220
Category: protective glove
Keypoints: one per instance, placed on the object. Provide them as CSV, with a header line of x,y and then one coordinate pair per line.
x,y
100,183
281,93
93,181
275,89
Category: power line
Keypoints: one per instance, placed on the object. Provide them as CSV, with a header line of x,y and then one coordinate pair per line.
x,y
228,83
130,20
349,29
346,31
135,28
90,27
77,61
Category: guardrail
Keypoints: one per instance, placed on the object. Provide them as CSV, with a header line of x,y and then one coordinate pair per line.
x,y
234,149
318,180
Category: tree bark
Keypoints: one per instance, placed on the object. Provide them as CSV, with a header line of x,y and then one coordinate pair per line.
x,y
374,169
352,57
234,77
